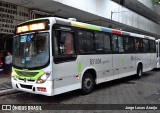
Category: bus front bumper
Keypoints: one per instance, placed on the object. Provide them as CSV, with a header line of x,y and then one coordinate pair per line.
x,y
32,87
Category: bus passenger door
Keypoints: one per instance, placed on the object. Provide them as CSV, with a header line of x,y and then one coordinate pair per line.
x,y
123,63
117,43
129,58
102,61
153,59
65,72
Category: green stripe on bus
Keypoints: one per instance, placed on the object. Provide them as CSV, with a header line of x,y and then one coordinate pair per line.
x,y
92,27
86,26
34,77
79,67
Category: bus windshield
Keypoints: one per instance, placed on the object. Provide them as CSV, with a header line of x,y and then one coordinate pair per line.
x,y
31,51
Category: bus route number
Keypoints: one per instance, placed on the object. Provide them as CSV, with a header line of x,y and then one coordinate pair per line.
x,y
95,61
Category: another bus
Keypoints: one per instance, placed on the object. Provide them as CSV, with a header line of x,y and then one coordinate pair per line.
x,y
54,55
158,53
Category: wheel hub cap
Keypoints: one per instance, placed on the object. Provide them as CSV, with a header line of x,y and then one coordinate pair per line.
x,y
87,83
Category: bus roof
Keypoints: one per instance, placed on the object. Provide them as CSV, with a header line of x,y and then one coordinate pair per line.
x,y
91,27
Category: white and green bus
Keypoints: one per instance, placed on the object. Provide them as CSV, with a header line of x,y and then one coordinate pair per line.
x,y
53,55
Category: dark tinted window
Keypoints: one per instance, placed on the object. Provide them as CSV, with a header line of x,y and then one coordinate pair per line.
x,y
63,46
107,43
86,41
152,46
64,43
102,42
145,45
89,41
120,44
129,44
115,43
82,41
138,45
99,41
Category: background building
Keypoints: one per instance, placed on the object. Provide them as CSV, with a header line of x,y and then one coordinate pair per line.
x,y
140,16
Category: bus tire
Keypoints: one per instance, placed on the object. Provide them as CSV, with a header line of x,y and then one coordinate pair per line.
x,y
87,83
139,71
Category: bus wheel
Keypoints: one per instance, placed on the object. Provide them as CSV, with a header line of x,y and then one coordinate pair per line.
x,y
87,83
139,71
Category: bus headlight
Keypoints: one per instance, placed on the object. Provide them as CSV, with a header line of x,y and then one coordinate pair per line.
x,y
43,78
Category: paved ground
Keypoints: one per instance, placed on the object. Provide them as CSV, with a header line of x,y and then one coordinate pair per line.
x,y
5,82
123,91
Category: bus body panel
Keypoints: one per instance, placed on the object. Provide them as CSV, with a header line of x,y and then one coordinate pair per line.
x,y
102,64
153,60
126,65
148,61
65,77
144,59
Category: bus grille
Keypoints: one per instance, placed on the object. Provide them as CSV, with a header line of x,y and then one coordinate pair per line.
x,y
27,74
27,80
26,86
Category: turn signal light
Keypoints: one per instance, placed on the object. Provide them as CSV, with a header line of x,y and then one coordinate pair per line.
x,y
42,89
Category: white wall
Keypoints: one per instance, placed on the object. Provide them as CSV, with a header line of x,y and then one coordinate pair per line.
x,y
103,8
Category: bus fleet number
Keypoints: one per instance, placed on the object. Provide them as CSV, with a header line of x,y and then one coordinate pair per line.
x,y
95,61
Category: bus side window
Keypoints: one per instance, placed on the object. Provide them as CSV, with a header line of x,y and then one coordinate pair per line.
x,y
90,41
66,43
152,46
129,44
63,43
102,42
115,43
82,41
120,44
99,42
145,45
69,44
138,45
86,41
107,43
64,50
